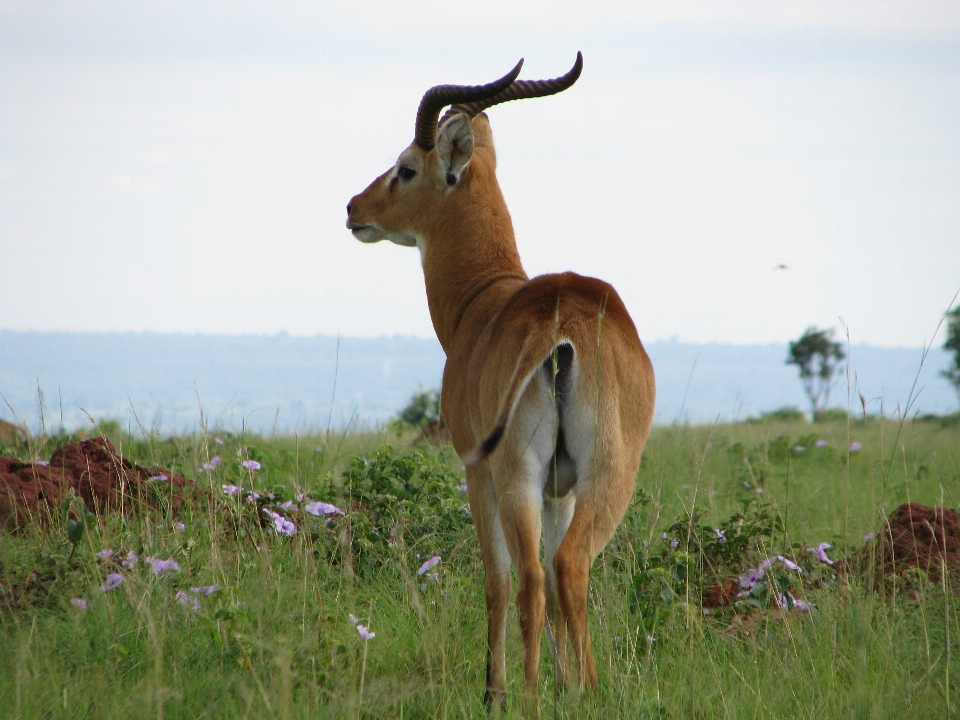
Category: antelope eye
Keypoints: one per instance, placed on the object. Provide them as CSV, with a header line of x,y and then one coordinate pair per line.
x,y
406,173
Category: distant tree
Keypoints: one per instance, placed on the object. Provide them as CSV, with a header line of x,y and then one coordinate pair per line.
x,y
423,408
952,374
818,358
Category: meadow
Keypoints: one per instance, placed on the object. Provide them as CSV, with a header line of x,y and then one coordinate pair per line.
x,y
351,584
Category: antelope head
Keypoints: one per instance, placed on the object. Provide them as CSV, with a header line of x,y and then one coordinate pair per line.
x,y
446,163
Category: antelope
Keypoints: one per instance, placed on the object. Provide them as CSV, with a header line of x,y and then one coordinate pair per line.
x,y
547,391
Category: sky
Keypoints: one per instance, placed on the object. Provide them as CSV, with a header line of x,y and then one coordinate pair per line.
x,y
185,166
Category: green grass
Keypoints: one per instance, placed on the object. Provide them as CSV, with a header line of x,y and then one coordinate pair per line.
x,y
276,639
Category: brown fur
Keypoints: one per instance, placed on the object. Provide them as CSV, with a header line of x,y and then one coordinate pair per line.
x,y
497,328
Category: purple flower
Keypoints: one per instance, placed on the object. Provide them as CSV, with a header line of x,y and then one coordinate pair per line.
x,y
131,562
79,603
868,537
205,590
354,619
113,580
429,565
719,534
799,448
822,443
159,478
106,553
462,487
674,544
759,491
751,577
322,508
251,464
218,441
801,605
161,566
42,463
820,552
188,601
231,490
855,446
281,524
213,464
789,564
290,506
179,527
253,496
365,633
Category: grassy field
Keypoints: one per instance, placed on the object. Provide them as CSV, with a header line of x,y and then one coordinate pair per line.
x,y
276,637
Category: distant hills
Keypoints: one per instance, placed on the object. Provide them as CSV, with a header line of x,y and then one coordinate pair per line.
x,y
285,383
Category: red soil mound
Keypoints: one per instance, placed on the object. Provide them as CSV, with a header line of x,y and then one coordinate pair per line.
x,y
916,536
93,470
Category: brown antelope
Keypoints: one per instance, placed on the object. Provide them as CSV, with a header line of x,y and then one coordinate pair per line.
x,y
547,391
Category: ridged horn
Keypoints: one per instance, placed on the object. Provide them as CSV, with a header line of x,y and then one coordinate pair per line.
x,y
438,97
520,90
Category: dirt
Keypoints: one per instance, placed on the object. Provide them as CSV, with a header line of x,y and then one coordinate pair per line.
x,y
92,470
915,536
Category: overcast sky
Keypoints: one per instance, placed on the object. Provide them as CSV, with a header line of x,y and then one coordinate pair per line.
x,y
184,166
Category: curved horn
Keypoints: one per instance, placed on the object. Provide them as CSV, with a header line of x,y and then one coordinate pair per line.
x,y
438,97
521,90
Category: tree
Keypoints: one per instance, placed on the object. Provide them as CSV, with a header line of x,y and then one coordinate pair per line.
x,y
952,374
818,358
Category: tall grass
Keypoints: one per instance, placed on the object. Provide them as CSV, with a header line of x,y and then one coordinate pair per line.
x,y
277,640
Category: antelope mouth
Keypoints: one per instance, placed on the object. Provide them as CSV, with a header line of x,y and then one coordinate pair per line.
x,y
364,233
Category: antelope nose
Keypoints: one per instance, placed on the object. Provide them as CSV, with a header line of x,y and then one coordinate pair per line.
x,y
349,208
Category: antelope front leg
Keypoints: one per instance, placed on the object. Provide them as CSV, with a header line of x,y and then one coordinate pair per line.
x,y
496,585
520,519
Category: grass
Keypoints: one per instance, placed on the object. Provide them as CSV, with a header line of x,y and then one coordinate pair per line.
x,y
276,639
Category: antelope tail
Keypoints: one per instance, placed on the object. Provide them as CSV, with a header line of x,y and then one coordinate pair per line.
x,y
534,353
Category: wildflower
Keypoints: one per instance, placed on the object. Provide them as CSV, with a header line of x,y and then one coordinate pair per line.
x,y
801,605
218,441
868,537
674,544
205,590
161,566
322,508
159,478
821,443
188,601
131,562
106,553
433,577
251,464
720,537
651,639
789,564
79,603
799,448
179,527
429,565
855,446
354,619
231,490
113,580
759,491
301,497
289,506
365,633
462,487
663,536
820,552
252,496
751,577
42,463
281,524
213,464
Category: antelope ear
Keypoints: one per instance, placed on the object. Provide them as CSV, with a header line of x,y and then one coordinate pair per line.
x,y
454,148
